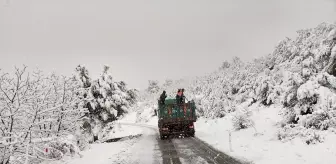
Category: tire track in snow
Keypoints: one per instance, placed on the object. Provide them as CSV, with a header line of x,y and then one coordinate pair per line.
x,y
168,151
167,148
187,150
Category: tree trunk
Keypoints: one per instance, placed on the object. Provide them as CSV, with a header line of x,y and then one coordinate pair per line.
x,y
4,161
95,138
332,68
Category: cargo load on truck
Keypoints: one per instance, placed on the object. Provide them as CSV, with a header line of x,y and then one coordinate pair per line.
x,y
176,117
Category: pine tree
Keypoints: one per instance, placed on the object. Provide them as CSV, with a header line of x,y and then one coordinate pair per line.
x,y
106,99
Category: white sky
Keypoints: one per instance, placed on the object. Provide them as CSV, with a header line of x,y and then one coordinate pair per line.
x,y
148,39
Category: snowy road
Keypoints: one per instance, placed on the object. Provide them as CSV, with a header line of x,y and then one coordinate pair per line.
x,y
151,149
148,148
190,151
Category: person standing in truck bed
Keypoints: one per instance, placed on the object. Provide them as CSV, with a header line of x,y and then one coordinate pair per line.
x,y
178,96
182,96
163,97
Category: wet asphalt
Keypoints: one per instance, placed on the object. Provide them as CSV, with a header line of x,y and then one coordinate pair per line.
x,y
190,150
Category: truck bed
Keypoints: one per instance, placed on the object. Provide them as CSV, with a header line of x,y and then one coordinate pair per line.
x,y
176,112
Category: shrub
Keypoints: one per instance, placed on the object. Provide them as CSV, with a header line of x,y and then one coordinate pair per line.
x,y
234,90
290,131
241,119
232,108
62,146
289,116
290,99
321,120
312,137
318,120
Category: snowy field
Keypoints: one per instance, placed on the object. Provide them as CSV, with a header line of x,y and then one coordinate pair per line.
x,y
261,145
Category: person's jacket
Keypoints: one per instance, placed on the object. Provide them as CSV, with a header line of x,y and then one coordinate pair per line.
x,y
163,96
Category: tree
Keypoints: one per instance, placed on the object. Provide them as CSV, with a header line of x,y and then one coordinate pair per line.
x,y
106,99
83,76
168,83
153,86
225,65
35,109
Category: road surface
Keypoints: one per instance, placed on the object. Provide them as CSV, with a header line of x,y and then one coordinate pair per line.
x,y
191,150
175,150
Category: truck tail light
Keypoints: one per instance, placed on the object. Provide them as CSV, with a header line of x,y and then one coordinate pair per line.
x,y
191,125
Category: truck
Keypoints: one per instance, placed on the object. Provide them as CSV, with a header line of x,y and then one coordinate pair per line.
x,y
176,118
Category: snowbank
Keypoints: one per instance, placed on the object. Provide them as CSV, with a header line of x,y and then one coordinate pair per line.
x,y
132,124
119,130
105,153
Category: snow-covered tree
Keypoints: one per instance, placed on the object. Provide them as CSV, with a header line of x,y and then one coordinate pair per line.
x,y
83,76
241,119
225,65
106,99
34,110
168,83
153,86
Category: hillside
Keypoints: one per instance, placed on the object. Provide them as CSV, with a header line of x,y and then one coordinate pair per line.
x,y
286,99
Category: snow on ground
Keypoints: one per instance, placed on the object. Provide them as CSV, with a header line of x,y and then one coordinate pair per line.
x,y
263,147
135,151
153,121
195,160
125,151
102,153
143,151
120,130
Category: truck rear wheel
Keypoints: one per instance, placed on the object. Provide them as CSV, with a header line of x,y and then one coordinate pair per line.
x,y
162,137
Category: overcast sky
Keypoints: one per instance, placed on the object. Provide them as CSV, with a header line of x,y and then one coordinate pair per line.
x,y
148,39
